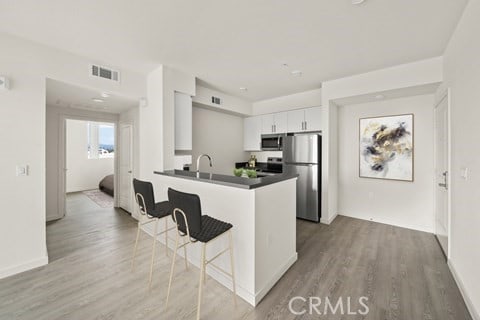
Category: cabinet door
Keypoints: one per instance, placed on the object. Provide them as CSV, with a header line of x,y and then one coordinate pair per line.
x,y
183,121
280,122
252,130
296,119
267,124
313,119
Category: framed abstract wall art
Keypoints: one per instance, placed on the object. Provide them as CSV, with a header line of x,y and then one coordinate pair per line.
x,y
386,147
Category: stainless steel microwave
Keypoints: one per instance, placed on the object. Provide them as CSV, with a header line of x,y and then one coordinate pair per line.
x,y
272,142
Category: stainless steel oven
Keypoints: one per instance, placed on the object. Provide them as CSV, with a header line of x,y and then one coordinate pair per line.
x,y
272,142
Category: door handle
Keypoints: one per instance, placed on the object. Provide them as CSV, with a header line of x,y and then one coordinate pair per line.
x,y
444,184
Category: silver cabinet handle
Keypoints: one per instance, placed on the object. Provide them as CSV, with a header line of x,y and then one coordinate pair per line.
x,y
306,125
129,171
302,125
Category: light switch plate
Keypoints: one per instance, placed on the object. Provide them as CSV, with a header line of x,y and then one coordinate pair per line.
x,y
22,170
4,85
464,173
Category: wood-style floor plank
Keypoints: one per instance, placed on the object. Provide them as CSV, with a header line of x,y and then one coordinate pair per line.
x,y
402,272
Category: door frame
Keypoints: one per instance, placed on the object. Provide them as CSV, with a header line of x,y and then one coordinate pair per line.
x,y
442,94
62,156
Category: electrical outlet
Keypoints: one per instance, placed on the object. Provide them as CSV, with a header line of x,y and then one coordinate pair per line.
x,y
22,170
464,173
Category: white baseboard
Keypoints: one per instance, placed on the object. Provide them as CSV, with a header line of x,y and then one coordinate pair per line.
x,y
10,271
471,308
328,221
390,223
259,295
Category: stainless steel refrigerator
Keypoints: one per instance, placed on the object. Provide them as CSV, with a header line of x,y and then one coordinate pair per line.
x,y
302,154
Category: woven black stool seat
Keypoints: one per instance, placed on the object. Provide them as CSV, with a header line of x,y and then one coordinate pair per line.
x,y
162,209
211,228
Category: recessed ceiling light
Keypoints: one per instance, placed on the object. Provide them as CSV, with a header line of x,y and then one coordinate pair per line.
x,y
105,95
379,97
296,73
243,89
357,2
97,100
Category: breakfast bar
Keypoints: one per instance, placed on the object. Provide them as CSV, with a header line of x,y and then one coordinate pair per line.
x,y
263,214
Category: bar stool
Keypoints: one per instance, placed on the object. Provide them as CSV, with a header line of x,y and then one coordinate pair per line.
x,y
189,221
151,212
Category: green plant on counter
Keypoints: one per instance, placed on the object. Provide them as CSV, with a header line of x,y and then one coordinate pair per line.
x,y
241,172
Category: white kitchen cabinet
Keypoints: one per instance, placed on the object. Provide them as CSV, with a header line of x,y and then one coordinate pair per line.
x,y
274,123
252,131
296,120
183,121
308,119
313,119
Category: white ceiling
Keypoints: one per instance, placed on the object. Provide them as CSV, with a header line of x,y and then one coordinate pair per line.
x,y
65,95
230,44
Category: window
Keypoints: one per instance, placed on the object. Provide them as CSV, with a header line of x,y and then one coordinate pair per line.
x,y
101,140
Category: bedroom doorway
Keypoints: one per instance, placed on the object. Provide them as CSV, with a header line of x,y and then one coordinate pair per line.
x,y
90,162
84,144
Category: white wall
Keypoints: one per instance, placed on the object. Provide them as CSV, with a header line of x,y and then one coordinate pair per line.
x,y
83,173
22,120
405,204
462,75
306,99
219,135
229,104
157,119
416,74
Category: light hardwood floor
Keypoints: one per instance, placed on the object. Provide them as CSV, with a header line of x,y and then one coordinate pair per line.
x,y
402,272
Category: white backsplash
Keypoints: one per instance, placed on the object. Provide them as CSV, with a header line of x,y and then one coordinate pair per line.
x,y
263,155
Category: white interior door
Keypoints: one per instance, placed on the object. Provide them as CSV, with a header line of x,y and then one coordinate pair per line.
x,y
441,173
125,194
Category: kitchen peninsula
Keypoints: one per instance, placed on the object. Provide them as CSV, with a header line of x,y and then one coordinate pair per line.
x,y
263,214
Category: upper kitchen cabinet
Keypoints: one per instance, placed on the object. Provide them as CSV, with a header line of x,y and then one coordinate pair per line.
x,y
183,121
305,120
252,131
296,120
313,119
274,123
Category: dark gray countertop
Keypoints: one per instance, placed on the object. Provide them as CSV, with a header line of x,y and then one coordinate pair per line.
x,y
230,181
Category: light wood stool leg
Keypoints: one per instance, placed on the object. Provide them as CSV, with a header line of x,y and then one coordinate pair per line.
x,y
202,262
136,244
232,267
172,268
166,236
185,253
153,254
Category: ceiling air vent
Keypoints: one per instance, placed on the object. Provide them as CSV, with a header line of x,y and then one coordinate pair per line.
x,y
216,100
104,72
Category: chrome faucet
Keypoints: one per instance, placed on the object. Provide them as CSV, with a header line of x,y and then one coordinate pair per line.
x,y
198,163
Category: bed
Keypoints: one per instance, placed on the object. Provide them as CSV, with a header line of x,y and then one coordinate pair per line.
x,y
106,185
